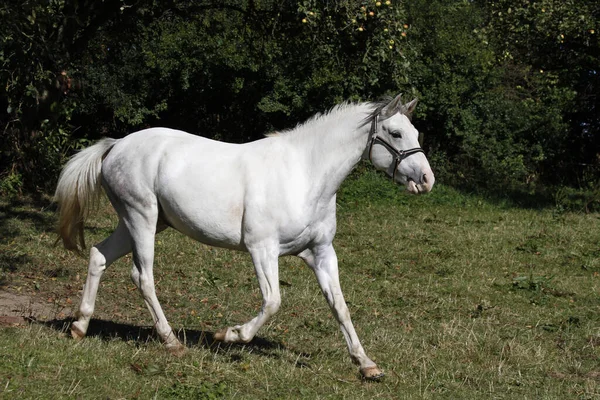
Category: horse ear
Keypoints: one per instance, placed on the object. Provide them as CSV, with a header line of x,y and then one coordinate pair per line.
x,y
392,108
408,109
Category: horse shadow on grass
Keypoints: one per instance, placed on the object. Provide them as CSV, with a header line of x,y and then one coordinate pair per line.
x,y
109,330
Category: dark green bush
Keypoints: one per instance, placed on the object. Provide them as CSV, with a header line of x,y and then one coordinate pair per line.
x,y
508,89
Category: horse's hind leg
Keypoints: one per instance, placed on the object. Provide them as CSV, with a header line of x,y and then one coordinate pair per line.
x,y
101,256
142,229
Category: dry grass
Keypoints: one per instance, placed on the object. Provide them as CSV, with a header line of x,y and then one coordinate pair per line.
x,y
453,296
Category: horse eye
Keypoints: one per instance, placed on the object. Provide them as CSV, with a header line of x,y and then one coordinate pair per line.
x,y
396,134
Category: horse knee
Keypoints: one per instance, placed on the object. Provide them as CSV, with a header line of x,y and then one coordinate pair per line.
x,y
146,285
271,306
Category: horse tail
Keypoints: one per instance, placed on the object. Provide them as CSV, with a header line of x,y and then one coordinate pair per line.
x,y
78,190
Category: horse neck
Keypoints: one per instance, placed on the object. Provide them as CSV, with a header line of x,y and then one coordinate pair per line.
x,y
333,145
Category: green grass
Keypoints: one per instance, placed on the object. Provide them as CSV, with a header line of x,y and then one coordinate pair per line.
x,y
452,295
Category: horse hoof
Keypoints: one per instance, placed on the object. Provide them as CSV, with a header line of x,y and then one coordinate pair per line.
x,y
76,333
177,350
372,373
219,336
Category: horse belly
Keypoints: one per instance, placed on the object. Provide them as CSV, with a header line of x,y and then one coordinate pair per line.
x,y
215,226
206,208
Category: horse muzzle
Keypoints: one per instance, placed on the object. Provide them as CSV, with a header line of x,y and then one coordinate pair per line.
x,y
424,185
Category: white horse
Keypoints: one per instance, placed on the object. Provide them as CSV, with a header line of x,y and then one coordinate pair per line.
x,y
271,197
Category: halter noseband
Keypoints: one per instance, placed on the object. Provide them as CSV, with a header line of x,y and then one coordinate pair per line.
x,y
398,155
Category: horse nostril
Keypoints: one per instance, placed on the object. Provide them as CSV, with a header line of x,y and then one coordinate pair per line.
x,y
424,178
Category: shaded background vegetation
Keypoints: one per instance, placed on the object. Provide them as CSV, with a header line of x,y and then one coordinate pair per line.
x,y
508,89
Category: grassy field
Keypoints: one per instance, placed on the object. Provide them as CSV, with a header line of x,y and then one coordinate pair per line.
x,y
452,295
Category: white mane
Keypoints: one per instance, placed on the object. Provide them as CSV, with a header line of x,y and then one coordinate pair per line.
x,y
340,118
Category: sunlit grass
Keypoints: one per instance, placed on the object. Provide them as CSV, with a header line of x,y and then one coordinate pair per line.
x,y
453,296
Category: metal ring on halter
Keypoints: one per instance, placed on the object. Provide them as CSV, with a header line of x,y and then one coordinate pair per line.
x,y
398,155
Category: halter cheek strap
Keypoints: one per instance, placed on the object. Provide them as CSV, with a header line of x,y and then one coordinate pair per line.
x,y
398,155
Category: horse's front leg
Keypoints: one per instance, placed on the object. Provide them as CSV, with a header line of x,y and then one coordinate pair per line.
x,y
323,261
265,261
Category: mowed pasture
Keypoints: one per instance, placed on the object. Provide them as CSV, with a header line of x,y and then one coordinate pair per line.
x,y
453,295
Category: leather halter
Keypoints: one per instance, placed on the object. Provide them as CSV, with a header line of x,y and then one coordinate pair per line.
x,y
398,155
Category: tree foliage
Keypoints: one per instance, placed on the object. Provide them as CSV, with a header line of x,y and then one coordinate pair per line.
x,y
497,89
508,88
555,48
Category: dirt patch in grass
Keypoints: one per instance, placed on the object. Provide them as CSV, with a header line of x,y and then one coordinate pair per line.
x,y
18,309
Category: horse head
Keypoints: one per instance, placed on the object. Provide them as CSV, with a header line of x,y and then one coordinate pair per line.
x,y
394,146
